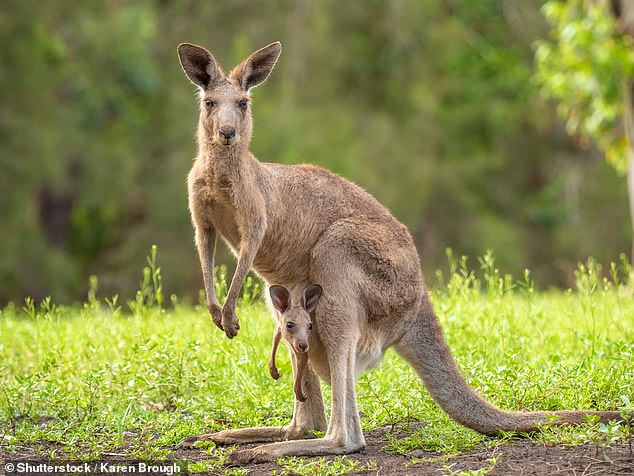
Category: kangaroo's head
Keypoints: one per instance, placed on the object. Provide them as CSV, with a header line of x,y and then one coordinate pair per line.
x,y
295,317
225,110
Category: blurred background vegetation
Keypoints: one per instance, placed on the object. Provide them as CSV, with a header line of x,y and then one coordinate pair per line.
x,y
430,105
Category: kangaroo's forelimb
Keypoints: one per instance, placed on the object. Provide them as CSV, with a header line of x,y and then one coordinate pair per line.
x,y
248,250
206,245
277,335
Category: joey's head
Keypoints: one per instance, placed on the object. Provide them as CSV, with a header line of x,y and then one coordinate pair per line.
x,y
225,108
295,316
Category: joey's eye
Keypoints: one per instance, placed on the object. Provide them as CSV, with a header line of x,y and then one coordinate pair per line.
x,y
209,103
310,326
243,103
290,325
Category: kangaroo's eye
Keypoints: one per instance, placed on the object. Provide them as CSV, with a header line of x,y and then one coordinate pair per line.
x,y
209,103
290,325
243,103
310,326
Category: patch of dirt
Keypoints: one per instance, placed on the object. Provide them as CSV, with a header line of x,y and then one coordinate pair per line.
x,y
523,457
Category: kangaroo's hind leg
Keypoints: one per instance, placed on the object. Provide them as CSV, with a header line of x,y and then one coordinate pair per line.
x,y
299,367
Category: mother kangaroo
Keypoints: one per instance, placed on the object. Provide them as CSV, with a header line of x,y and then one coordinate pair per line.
x,y
297,225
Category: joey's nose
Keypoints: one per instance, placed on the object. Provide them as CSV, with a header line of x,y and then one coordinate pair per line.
x,y
302,346
227,134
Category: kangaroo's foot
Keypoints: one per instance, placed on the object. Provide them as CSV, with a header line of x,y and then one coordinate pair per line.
x,y
273,451
248,435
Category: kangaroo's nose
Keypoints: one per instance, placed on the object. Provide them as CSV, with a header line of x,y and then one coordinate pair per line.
x,y
227,133
303,346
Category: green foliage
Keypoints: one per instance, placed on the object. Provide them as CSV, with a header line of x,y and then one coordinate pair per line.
x,y
150,292
97,121
585,66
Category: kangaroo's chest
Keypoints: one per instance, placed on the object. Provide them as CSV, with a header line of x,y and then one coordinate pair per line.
x,y
211,205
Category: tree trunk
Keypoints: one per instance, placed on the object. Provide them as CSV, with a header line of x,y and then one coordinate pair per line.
x,y
628,120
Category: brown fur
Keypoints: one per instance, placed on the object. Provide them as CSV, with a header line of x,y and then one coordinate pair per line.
x,y
296,225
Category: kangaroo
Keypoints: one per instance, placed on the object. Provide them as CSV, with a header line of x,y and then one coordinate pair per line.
x,y
295,326
301,224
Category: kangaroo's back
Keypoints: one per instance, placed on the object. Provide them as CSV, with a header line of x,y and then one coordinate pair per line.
x,y
302,203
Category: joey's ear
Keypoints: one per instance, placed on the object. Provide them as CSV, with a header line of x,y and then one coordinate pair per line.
x,y
311,297
280,297
257,67
198,63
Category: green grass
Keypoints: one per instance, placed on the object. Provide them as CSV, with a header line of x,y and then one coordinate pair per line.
x,y
322,467
87,380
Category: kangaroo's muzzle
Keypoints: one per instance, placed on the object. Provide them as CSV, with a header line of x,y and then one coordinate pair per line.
x,y
227,135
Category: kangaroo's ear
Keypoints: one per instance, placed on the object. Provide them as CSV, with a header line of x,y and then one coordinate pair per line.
x,y
257,67
311,297
198,63
280,297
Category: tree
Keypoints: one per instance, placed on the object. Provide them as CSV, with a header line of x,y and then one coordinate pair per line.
x,y
587,65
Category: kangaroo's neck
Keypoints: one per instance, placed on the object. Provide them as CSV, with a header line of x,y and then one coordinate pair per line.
x,y
226,164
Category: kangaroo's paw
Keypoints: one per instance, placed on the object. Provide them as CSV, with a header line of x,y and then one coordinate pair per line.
x,y
216,314
230,322
189,443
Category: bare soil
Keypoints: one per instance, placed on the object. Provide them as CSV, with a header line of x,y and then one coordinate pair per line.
x,y
521,457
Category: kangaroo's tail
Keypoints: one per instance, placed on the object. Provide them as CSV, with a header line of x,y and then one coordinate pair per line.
x,y
425,348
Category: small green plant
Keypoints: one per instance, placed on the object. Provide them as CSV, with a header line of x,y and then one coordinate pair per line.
x,y
253,288
150,293
92,303
627,413
496,285
588,277
462,280
609,433
205,466
434,459
215,465
603,435
236,472
113,306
